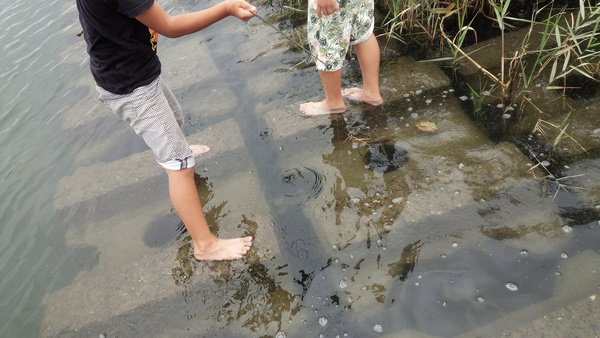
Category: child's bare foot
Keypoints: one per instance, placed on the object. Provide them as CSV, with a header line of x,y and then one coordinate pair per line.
x,y
320,108
357,94
226,249
198,149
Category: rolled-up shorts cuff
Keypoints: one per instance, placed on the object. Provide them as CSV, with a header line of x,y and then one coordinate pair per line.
x,y
179,164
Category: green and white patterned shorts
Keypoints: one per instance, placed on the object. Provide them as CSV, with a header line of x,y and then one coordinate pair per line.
x,y
331,36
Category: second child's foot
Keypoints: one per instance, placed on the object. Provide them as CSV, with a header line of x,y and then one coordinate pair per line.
x,y
198,149
225,249
320,108
357,94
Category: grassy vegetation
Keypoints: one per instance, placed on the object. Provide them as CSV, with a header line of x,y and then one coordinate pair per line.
x,y
562,40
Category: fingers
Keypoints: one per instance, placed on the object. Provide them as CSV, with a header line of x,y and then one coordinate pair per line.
x,y
327,10
242,10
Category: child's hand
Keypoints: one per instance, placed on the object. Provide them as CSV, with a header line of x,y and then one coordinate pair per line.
x,y
326,7
240,9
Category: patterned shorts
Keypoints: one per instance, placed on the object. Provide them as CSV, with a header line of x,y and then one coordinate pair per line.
x,y
154,114
330,36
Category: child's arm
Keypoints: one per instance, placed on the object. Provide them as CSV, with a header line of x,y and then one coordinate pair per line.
x,y
162,22
326,7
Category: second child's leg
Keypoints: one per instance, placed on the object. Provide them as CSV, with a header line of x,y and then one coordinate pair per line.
x,y
185,199
368,58
334,101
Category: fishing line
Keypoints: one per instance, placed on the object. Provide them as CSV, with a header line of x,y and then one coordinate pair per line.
x,y
327,64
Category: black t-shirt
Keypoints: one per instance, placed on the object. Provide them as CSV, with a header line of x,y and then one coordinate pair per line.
x,y
122,50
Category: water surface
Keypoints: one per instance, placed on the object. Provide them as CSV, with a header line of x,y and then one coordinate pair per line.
x,y
364,226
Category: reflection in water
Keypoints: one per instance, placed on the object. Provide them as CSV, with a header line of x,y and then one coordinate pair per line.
x,y
382,198
384,157
408,261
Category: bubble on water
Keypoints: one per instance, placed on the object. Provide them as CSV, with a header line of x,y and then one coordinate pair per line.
x,y
480,299
343,284
564,255
506,116
428,101
443,256
454,244
349,300
486,92
500,105
414,115
417,283
457,192
524,253
280,334
512,286
323,321
378,328
419,276
545,163
464,98
419,91
410,109
558,273
355,200
567,228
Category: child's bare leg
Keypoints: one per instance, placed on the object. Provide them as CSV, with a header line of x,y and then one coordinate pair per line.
x,y
199,149
368,59
334,101
185,199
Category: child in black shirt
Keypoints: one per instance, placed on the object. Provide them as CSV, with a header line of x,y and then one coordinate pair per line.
x,y
122,36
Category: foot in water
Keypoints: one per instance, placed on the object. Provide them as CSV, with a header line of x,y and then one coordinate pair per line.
x,y
357,94
319,108
198,149
225,249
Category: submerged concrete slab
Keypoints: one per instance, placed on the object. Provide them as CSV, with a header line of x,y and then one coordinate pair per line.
x,y
337,245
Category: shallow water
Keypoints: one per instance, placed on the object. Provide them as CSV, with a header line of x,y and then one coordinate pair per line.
x,y
452,236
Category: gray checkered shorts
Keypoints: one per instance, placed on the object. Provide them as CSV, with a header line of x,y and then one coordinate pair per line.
x,y
154,114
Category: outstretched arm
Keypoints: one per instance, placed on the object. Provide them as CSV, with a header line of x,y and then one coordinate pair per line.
x,y
162,22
